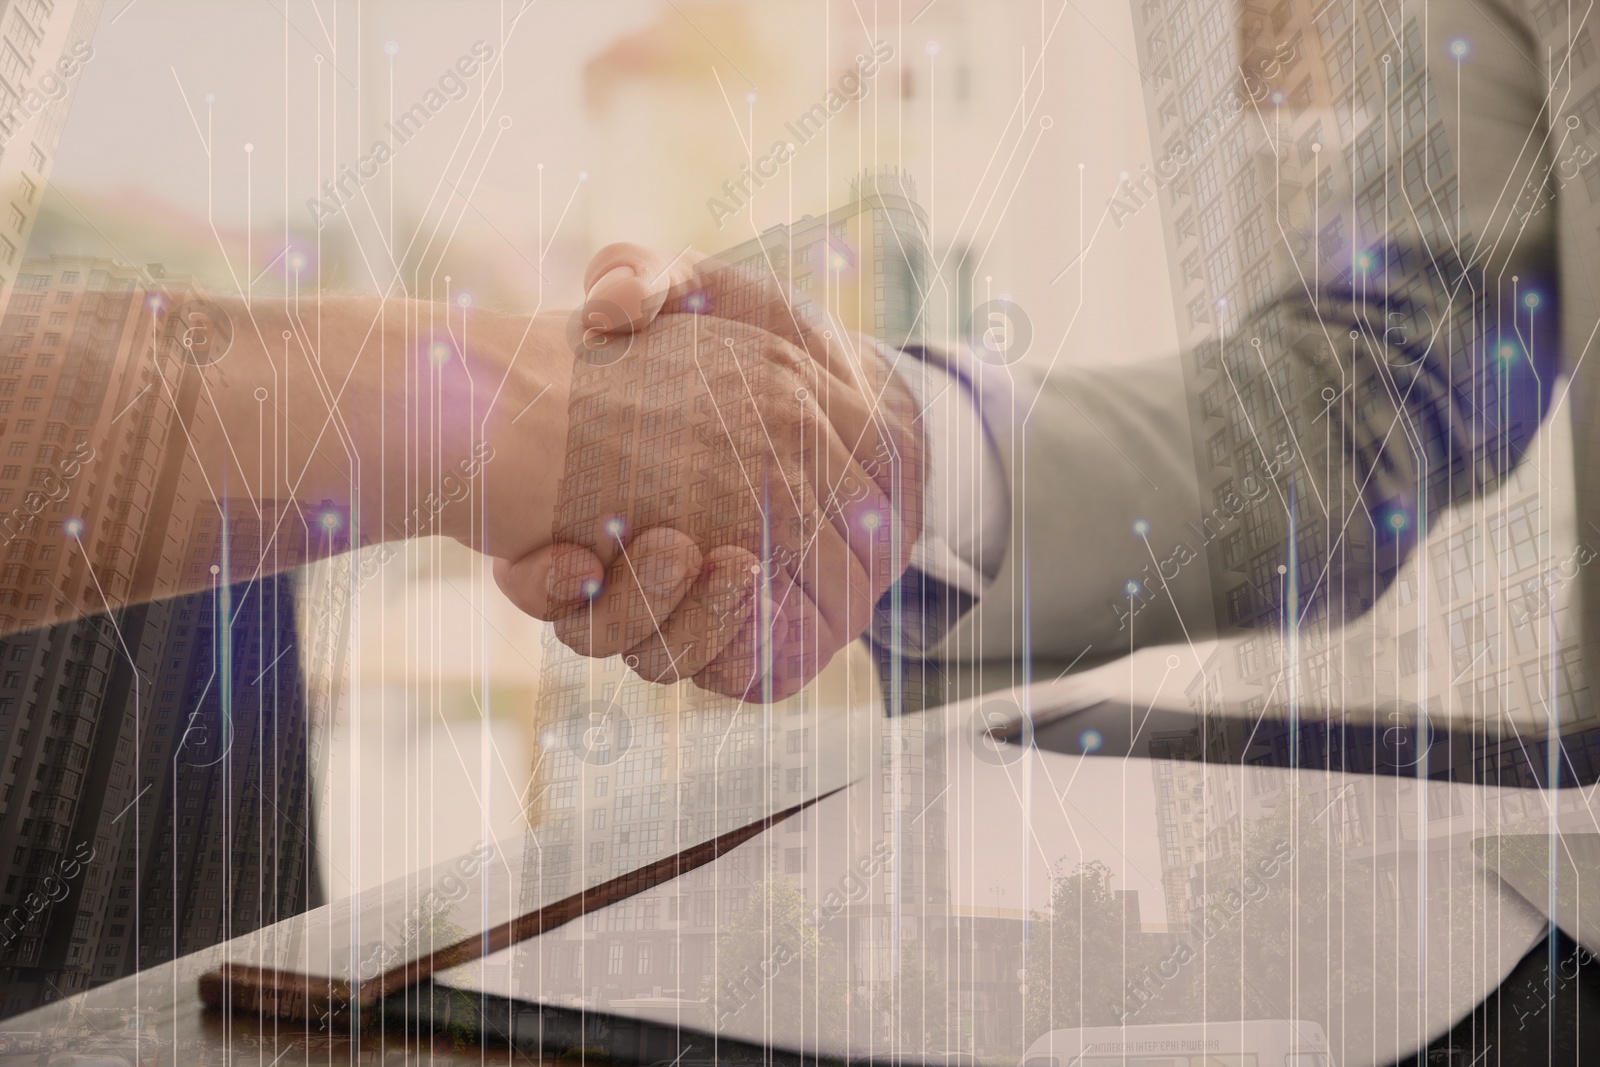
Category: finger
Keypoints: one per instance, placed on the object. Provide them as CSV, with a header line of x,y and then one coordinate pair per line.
x,y
784,644
643,584
708,618
550,579
626,284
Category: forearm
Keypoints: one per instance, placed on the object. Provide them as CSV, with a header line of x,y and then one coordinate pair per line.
x,y
337,423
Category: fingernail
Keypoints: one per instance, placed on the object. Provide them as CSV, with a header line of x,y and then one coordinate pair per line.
x,y
615,274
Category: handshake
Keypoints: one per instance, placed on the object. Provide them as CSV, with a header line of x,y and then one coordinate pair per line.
x,y
739,484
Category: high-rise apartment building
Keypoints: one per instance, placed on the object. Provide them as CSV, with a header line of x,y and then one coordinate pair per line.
x,y
155,796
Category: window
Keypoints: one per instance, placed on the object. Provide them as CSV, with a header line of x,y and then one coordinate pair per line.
x,y
1516,536
642,960
11,65
18,219
614,958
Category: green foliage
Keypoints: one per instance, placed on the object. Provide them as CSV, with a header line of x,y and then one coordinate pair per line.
x,y
920,1013
1080,953
773,961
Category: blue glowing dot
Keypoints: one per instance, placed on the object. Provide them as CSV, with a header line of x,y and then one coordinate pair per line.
x,y
1398,520
1141,528
72,527
591,588
614,527
391,48
1090,740
1531,301
1132,588
331,520
1364,261
1508,351
1460,48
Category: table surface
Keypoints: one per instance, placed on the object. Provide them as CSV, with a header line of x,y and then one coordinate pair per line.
x,y
178,1029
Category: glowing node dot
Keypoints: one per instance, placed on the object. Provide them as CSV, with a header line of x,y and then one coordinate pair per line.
x,y
248,147
211,98
1132,588
1282,569
439,353
1141,528
1397,520
1277,97
331,520
297,261
591,588
391,48
1090,740
465,300
73,527
583,175
696,302
1508,351
1459,48
614,527
215,570
749,98
932,48
1531,301
870,520
1316,146
1364,261
837,261
755,568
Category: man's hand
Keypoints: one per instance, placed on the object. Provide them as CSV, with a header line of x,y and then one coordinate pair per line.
x,y
748,482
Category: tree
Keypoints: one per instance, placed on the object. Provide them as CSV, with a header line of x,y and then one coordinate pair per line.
x,y
774,965
919,1011
1082,954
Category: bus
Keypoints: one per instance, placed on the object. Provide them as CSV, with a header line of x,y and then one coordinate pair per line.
x,y
1250,1043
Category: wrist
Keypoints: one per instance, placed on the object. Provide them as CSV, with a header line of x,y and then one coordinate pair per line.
x,y
496,491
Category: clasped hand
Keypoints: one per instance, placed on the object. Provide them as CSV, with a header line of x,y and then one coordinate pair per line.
x,y
740,485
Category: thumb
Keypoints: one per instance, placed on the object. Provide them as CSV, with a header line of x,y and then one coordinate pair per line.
x,y
627,282
549,579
